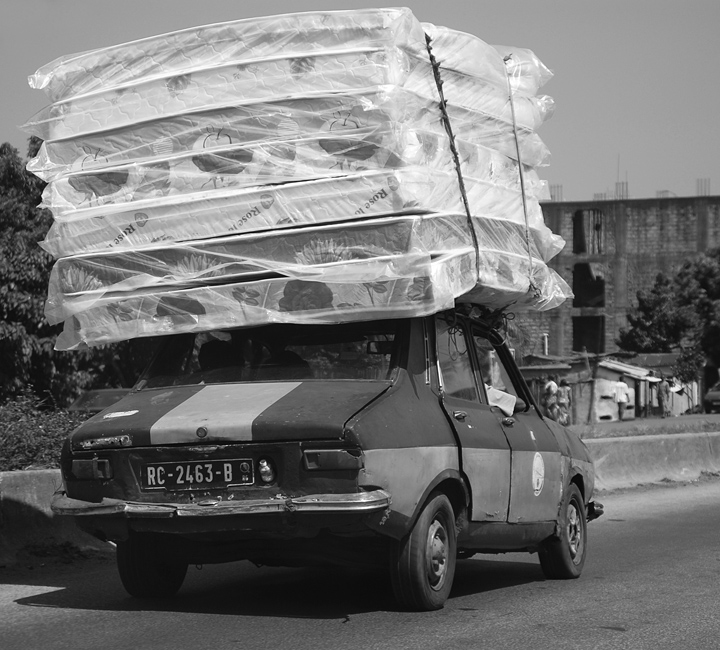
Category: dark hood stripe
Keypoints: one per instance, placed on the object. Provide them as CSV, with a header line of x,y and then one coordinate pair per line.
x,y
244,412
315,410
135,415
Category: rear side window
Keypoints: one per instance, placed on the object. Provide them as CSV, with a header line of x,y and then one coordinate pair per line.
x,y
455,362
491,368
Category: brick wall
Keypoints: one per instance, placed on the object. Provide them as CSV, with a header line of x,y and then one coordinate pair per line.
x,y
628,243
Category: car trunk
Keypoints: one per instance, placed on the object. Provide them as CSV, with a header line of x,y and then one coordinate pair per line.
x,y
226,413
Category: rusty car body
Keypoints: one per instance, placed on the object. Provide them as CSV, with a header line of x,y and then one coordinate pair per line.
x,y
402,443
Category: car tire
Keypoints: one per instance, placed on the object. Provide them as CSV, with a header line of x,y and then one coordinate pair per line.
x,y
145,570
423,563
563,557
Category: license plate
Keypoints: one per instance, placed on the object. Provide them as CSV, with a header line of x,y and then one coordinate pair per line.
x,y
197,475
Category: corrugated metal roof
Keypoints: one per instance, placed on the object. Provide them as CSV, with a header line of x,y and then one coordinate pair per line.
x,y
636,372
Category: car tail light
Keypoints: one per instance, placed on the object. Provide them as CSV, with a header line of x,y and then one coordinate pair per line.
x,y
266,470
328,459
92,469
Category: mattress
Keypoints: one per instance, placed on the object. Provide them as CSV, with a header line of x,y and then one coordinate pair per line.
x,y
154,312
334,200
160,141
329,154
263,81
238,42
365,250
294,168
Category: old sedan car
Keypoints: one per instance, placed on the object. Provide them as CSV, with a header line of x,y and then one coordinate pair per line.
x,y
711,401
405,442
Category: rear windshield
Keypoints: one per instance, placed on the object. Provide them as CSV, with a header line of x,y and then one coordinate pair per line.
x,y
277,353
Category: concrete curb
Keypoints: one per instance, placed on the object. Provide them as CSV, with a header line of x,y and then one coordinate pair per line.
x,y
26,519
635,460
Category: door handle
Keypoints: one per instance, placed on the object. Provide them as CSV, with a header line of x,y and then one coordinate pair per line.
x,y
508,422
459,415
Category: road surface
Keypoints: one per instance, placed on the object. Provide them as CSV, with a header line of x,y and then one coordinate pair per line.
x,y
652,580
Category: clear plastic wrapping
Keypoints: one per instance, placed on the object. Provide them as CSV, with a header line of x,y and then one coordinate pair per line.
x,y
366,250
237,42
215,213
294,168
335,154
470,55
507,280
360,114
321,74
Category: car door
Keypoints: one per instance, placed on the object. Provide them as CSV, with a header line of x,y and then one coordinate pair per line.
x,y
536,483
484,449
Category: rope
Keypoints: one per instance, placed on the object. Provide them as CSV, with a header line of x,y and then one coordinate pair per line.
x,y
532,287
453,150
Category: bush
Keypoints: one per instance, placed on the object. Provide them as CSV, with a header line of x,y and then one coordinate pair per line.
x,y
31,435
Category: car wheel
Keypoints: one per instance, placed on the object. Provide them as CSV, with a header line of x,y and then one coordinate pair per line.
x,y
423,564
145,570
563,557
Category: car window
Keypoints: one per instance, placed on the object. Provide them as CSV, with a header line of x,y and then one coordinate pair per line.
x,y
278,353
498,386
454,361
491,368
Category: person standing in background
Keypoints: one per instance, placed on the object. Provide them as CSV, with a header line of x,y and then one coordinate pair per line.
x,y
564,401
664,396
550,394
621,396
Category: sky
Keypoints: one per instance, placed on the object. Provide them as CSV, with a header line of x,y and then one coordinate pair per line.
x,y
636,82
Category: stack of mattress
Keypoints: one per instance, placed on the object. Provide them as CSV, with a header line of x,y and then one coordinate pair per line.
x,y
300,168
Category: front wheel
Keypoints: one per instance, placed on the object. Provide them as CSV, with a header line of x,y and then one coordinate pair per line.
x,y
423,564
563,557
145,570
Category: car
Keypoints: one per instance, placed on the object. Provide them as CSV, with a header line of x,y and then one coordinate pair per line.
x,y
711,401
404,443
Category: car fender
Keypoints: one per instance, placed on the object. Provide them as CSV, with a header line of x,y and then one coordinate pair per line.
x,y
401,515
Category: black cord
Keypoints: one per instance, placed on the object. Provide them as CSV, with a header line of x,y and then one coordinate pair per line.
x,y
453,150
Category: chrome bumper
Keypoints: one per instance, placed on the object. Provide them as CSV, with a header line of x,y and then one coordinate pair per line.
x,y
362,502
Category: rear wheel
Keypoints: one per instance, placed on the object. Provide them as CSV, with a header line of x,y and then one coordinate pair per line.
x,y
423,564
145,570
564,556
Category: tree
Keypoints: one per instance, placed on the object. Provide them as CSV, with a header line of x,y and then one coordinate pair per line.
x,y
658,324
682,314
27,357
698,293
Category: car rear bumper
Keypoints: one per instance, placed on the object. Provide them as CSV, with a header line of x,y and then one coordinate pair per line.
x,y
359,503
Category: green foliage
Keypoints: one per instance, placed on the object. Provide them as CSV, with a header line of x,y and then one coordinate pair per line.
x,y
32,436
658,324
680,314
27,355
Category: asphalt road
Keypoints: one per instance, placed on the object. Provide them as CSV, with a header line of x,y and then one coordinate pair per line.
x,y
651,581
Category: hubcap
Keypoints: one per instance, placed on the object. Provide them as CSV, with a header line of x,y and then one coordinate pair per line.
x,y
437,554
574,533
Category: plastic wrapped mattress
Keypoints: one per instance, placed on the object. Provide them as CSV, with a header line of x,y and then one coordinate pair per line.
x,y
435,287
298,168
332,200
391,247
200,87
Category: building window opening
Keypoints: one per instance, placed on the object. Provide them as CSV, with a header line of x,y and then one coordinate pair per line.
x,y
588,232
588,285
589,334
